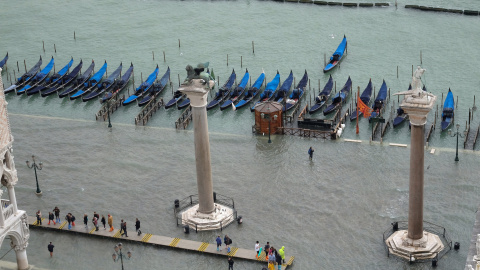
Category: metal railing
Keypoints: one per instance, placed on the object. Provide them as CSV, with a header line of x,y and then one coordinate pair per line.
x,y
427,226
193,200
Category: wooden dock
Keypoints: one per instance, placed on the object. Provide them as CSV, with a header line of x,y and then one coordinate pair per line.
x,y
185,118
156,240
115,103
148,110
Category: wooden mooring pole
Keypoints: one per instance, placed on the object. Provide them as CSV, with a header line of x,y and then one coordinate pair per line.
x,y
18,68
178,43
25,63
253,47
55,47
43,46
241,61
74,37
420,57
164,56
153,55
227,59
178,80
397,72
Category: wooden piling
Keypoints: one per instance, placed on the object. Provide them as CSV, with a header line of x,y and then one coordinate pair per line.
x,y
253,47
412,73
25,63
456,105
309,87
319,85
178,43
218,80
14,76
55,47
241,61
397,72
141,77
74,37
324,62
335,86
374,93
153,55
420,57
18,68
43,46
178,80
227,59
164,56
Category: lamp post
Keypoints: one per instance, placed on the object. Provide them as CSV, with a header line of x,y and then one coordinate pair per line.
x,y
118,255
269,119
457,134
35,167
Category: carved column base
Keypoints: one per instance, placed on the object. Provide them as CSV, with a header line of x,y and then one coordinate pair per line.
x,y
424,248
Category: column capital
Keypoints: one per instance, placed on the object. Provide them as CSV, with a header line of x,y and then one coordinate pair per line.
x,y
418,107
197,91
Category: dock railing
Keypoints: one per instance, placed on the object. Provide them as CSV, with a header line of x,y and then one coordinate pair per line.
x,y
181,205
115,103
185,118
148,110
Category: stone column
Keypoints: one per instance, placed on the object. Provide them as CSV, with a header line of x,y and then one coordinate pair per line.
x,y
198,100
13,199
417,110
22,261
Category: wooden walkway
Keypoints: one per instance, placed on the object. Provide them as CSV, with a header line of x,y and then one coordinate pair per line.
x,y
156,240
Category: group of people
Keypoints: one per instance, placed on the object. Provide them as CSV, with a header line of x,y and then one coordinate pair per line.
x,y
272,255
226,240
54,217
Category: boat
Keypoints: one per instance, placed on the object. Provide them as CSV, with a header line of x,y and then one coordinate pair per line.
x,y
4,61
337,55
297,93
62,82
79,81
323,96
25,78
177,97
156,89
223,92
105,85
269,91
379,102
365,98
52,80
237,92
340,97
120,85
38,78
252,92
448,111
401,114
147,84
282,93
92,82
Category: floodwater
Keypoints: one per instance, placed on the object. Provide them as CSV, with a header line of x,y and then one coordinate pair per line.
x,y
329,213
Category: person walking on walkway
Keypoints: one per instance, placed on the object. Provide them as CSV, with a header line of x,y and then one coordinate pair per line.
x,y
50,218
278,259
257,248
73,219
110,222
56,210
39,217
103,222
50,249
95,223
137,225
266,249
230,263
121,228
282,253
310,152
68,217
85,220
125,229
227,242
219,243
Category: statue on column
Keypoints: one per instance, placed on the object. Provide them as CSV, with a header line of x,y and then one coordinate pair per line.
x,y
199,73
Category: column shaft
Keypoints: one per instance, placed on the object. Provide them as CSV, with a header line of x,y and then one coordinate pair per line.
x,y
415,203
13,199
202,158
22,261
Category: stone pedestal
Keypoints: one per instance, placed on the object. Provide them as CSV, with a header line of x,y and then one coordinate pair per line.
x,y
206,215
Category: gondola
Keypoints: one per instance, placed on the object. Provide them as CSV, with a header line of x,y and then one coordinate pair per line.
x,y
401,114
25,78
105,85
282,93
156,89
269,91
4,61
323,96
337,55
120,85
379,102
297,93
252,92
92,82
365,98
52,80
144,87
38,78
223,92
59,84
237,92
177,97
448,114
340,97
183,101
79,81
